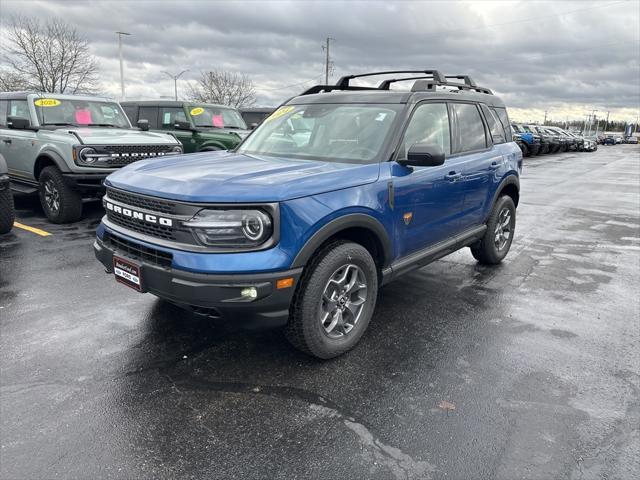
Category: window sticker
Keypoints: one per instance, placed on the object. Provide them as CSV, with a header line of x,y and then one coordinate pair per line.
x,y
381,116
197,111
279,113
47,102
166,119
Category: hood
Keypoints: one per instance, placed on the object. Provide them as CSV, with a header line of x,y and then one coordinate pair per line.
x,y
119,136
228,177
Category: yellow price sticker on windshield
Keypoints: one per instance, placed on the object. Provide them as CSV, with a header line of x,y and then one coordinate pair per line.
x,y
279,113
47,102
197,111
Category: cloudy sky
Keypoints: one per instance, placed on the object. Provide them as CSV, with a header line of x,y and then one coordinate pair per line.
x,y
565,57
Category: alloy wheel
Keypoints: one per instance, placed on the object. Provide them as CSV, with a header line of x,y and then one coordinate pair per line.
x,y
503,229
343,300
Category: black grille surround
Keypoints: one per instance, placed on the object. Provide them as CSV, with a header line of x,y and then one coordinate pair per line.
x,y
135,251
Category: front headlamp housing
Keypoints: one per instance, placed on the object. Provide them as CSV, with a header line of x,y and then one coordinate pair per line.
x,y
88,156
242,228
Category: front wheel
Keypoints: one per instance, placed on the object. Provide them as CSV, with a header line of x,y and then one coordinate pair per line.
x,y
61,204
495,244
334,301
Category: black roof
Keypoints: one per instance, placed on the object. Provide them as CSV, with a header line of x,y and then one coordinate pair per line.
x,y
170,103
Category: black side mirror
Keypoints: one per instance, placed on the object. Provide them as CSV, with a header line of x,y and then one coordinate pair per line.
x,y
143,125
424,155
18,123
181,125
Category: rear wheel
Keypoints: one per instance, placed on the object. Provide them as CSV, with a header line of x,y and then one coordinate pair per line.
x,y
7,212
334,301
61,204
495,244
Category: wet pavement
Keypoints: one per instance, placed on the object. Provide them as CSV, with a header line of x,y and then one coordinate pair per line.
x,y
527,370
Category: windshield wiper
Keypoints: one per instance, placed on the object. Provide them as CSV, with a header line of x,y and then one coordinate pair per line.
x,y
102,125
61,124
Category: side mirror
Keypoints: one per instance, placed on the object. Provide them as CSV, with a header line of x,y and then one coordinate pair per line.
x,y
18,123
424,155
180,125
143,125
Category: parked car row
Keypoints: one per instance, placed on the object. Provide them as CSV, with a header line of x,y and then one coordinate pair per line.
x,y
541,139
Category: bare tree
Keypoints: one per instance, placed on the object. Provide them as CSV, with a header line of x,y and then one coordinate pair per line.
x,y
225,88
11,81
49,56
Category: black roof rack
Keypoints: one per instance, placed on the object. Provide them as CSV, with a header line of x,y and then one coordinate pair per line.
x,y
427,81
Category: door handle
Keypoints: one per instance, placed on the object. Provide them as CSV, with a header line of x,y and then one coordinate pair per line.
x,y
6,140
453,176
494,165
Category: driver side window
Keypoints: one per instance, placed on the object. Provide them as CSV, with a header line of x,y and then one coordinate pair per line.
x,y
429,124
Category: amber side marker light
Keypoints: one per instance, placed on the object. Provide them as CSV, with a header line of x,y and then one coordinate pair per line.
x,y
284,283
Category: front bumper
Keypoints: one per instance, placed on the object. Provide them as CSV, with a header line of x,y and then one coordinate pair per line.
x,y
213,295
86,182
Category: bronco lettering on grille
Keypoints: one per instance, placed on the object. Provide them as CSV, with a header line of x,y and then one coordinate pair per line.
x,y
145,217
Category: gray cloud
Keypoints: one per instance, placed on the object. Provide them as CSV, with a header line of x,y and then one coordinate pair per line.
x,y
561,56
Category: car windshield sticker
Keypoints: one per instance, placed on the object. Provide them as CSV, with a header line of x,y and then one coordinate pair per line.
x,y
279,113
197,111
217,121
381,116
166,120
47,102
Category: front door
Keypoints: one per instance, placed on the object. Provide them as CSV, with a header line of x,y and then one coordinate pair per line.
x,y
427,200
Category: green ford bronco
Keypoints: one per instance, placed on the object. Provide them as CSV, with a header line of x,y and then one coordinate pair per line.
x,y
200,127
64,146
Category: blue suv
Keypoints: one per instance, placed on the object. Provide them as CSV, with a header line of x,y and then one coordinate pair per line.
x,y
339,191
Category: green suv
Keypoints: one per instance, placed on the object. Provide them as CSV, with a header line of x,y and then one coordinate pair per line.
x,y
63,147
200,127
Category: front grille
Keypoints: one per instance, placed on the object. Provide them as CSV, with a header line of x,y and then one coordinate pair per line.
x,y
141,201
125,154
135,251
151,229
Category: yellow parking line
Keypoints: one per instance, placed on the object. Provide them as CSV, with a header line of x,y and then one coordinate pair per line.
x,y
37,231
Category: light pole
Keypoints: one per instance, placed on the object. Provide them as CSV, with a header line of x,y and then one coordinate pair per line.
x,y
121,67
175,81
327,60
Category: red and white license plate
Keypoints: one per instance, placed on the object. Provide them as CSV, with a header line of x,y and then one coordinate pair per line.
x,y
127,273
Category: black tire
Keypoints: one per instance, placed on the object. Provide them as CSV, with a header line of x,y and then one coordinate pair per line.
x,y
61,204
305,329
7,210
210,149
486,251
525,149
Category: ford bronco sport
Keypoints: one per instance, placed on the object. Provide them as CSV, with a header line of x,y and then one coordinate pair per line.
x,y
200,127
341,190
63,146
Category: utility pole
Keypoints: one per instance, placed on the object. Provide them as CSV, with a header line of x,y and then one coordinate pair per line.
x,y
606,123
175,81
121,66
326,60
545,118
592,119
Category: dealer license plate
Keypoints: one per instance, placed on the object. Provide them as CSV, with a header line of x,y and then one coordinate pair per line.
x,y
127,273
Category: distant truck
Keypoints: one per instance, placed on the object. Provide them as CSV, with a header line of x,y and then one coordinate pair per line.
x,y
200,127
254,116
64,146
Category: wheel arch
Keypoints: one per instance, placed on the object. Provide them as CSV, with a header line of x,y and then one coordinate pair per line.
x,y
357,227
46,159
510,185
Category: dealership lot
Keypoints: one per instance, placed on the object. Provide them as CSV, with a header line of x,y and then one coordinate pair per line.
x,y
526,370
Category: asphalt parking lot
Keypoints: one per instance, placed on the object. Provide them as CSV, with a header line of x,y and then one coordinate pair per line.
x,y
527,370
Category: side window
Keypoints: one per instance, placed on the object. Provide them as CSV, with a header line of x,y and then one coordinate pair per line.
x,y
429,124
501,113
3,112
170,115
495,126
131,111
471,132
18,108
150,114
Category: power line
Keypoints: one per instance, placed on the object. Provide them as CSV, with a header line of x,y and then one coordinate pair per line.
x,y
314,79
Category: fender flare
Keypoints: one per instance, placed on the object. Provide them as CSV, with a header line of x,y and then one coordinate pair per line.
x,y
55,157
510,179
359,220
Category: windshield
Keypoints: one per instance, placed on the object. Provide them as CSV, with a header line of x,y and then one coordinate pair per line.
x,y
329,132
516,128
80,113
208,116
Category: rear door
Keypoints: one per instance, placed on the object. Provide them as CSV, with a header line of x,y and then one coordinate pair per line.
x,y
479,160
20,145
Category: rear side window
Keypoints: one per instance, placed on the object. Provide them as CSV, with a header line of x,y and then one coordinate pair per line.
x,y
150,114
495,127
471,132
170,115
429,124
501,113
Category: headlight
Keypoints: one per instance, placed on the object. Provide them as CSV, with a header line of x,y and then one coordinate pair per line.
x,y
84,155
176,149
89,156
231,228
